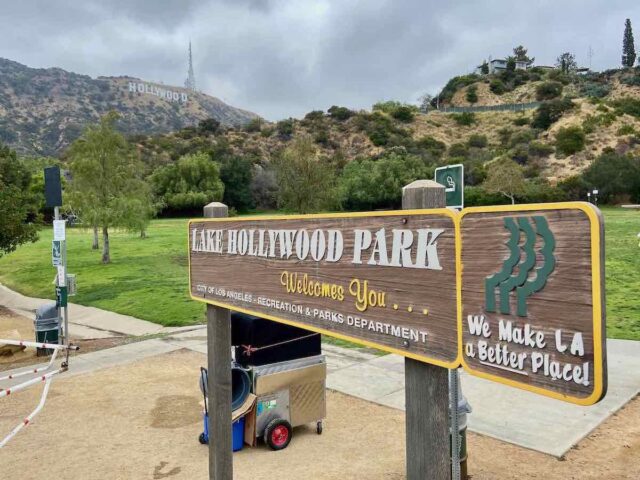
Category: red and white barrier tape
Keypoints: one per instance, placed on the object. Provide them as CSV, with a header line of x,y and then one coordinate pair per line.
x,y
29,418
50,346
28,383
35,370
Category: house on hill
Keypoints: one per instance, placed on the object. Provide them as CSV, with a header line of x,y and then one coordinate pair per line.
x,y
500,64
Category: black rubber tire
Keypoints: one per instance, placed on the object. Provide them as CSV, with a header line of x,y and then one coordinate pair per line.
x,y
319,428
202,440
273,424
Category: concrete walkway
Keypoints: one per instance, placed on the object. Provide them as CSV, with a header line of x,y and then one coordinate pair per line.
x,y
515,416
85,322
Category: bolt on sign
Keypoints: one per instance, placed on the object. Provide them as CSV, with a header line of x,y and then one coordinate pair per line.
x,y
382,279
532,285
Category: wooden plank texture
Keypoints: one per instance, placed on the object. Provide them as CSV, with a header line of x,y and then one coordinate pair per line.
x,y
426,386
417,316
560,320
219,367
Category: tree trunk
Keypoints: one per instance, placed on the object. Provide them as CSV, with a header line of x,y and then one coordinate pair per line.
x,y
96,241
106,258
513,200
143,233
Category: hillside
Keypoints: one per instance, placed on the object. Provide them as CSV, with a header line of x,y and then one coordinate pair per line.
x,y
43,110
601,106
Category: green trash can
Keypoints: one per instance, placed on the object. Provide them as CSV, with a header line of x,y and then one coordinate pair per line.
x,y
47,327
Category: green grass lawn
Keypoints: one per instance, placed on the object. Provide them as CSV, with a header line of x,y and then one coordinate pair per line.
x,y
148,278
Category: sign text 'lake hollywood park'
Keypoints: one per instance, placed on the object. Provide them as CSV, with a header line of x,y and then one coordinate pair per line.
x,y
513,294
386,279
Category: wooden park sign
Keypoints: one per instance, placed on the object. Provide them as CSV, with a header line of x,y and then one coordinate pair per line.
x,y
383,279
513,294
533,298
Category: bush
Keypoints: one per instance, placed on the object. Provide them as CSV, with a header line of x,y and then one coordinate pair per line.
x,y
314,115
285,127
521,121
340,113
570,140
478,141
523,136
455,84
626,130
548,90
538,149
465,118
321,136
628,105
254,125
472,94
458,150
478,197
550,112
497,86
594,90
559,76
433,146
399,111
615,176
208,126
631,80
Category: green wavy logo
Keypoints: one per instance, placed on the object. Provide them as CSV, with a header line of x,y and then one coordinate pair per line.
x,y
518,271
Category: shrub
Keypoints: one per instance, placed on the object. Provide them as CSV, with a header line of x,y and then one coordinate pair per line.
x,y
521,121
285,127
505,135
570,140
478,141
628,105
254,125
208,126
497,86
455,84
538,149
458,150
626,130
523,136
267,132
615,176
631,80
314,115
340,113
472,94
464,118
321,136
433,146
594,90
550,112
548,90
559,76
478,197
399,111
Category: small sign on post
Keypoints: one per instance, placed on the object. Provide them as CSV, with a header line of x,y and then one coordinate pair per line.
x,y
59,232
452,177
61,297
57,253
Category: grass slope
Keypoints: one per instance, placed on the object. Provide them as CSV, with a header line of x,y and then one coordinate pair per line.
x,y
148,278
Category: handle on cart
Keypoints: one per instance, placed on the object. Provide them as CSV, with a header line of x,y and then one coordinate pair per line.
x,y
204,387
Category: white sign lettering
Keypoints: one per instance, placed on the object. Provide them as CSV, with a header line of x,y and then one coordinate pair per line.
x,y
170,95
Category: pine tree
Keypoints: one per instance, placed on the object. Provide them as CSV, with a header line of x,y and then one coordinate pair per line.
x,y
628,48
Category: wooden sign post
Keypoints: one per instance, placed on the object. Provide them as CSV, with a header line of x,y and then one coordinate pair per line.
x,y
219,368
533,310
426,386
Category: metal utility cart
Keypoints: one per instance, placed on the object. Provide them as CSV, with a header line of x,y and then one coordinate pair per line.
x,y
288,376
289,394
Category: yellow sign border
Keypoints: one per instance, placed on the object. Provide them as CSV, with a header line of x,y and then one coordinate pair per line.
x,y
597,274
432,211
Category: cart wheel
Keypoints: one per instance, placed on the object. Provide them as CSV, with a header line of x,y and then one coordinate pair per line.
x,y
277,434
202,439
319,428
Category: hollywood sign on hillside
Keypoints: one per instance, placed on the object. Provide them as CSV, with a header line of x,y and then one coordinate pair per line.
x,y
170,95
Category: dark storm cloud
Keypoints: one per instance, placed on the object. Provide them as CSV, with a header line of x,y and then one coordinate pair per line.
x,y
285,57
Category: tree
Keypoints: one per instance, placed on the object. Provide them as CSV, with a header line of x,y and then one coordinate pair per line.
x,y
236,175
106,188
511,64
189,184
570,140
520,53
566,62
18,208
306,182
484,68
506,177
472,93
615,176
628,47
426,102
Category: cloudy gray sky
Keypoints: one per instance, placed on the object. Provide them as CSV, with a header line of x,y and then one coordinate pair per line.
x,y
283,58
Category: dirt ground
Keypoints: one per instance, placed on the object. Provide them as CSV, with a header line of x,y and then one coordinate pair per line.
x,y
142,420
18,327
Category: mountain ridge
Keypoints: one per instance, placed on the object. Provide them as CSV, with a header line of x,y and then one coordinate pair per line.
x,y
42,110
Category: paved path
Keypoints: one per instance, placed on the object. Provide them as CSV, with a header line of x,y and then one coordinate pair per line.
x,y
85,322
515,416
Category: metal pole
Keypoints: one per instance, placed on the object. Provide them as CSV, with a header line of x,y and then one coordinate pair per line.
x,y
454,382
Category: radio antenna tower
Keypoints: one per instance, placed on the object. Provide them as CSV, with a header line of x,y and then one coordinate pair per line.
x,y
190,82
